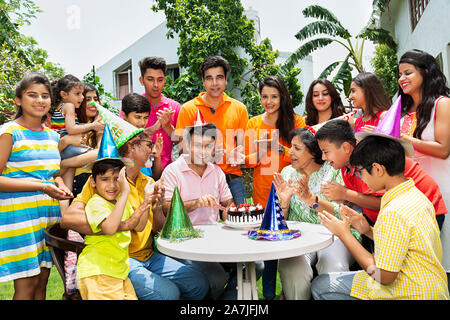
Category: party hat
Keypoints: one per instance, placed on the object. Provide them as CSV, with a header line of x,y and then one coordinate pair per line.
x,y
199,119
108,150
121,130
178,225
389,127
273,225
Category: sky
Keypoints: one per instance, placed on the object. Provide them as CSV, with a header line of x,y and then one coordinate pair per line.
x,y
78,34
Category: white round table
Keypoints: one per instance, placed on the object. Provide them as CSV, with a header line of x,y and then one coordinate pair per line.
x,y
220,243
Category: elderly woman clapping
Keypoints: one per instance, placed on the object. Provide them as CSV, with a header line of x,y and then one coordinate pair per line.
x,y
298,188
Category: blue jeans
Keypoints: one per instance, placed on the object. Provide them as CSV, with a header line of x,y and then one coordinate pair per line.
x,y
269,278
237,189
214,272
71,151
164,278
333,286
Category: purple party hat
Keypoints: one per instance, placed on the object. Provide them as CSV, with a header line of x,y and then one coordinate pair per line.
x,y
389,127
273,225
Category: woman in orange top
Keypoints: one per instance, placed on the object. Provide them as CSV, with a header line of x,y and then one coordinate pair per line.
x,y
271,127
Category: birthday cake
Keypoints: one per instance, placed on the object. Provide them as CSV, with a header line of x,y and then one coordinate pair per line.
x,y
246,214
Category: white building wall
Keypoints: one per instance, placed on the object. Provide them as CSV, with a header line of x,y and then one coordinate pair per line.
x,y
432,33
154,43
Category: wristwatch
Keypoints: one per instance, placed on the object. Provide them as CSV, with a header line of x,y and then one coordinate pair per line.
x,y
281,149
315,204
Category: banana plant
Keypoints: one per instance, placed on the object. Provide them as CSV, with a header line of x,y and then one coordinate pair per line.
x,y
332,31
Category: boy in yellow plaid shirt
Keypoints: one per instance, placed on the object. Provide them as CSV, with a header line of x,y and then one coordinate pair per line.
x,y
406,263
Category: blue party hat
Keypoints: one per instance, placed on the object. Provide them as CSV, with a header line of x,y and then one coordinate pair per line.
x,y
108,149
273,225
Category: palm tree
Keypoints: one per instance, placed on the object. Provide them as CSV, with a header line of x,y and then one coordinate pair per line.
x,y
329,25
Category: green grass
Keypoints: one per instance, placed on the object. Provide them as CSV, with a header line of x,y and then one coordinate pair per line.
x,y
277,289
55,288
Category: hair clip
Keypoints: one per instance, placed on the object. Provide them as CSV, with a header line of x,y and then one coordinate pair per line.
x,y
310,129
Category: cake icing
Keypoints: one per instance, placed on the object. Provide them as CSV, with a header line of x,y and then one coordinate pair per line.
x,y
245,214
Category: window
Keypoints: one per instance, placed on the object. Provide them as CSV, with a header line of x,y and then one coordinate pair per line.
x,y
124,82
173,71
416,9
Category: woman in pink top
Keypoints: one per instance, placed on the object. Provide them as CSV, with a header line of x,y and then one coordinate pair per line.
x,y
367,93
424,93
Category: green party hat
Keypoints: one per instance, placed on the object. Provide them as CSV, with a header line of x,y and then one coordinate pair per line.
x,y
178,225
121,130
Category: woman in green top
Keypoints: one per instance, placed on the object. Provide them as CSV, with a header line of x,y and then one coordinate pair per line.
x,y
298,188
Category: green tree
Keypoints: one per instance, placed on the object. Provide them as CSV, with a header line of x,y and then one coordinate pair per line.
x,y
20,54
14,14
328,24
14,67
385,67
220,27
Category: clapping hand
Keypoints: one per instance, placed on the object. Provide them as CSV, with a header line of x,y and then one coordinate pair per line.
x,y
157,195
336,226
333,191
123,183
164,116
158,146
302,189
283,190
357,220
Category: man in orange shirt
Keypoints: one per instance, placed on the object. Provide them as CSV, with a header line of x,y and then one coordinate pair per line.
x,y
229,115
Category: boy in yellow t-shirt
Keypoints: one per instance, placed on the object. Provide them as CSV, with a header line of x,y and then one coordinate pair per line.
x,y
406,264
103,266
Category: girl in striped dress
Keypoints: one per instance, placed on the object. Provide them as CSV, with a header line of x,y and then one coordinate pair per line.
x,y
29,190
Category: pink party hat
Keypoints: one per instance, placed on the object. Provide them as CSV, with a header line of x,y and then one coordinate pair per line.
x,y
389,127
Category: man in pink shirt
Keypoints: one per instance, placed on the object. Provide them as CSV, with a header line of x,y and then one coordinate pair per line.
x,y
164,111
203,189
202,184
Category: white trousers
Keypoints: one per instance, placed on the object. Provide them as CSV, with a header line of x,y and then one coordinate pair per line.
x,y
296,273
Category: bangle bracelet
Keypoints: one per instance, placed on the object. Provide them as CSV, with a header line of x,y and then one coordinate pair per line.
x,y
43,187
